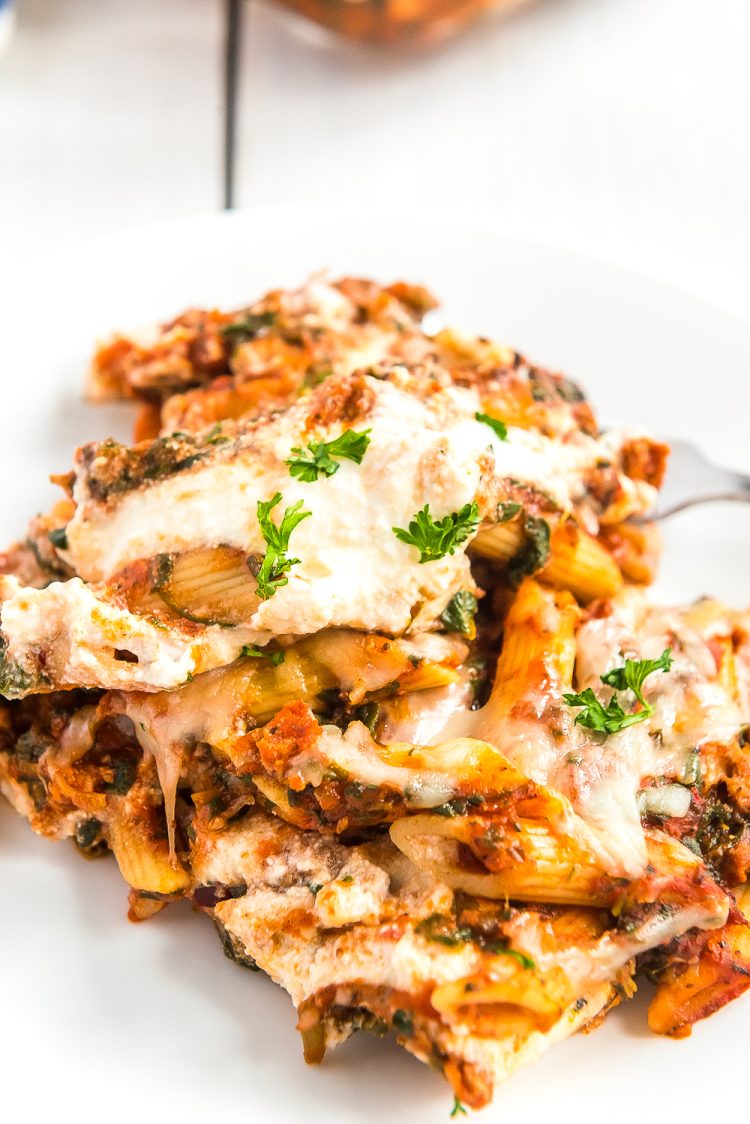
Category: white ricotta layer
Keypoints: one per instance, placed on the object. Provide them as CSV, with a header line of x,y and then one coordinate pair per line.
x,y
353,571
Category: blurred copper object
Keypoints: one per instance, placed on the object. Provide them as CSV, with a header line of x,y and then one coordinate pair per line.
x,y
395,21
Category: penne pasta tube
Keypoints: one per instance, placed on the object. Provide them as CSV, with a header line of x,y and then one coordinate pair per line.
x,y
144,862
539,647
691,988
207,586
499,543
576,562
509,997
536,865
580,563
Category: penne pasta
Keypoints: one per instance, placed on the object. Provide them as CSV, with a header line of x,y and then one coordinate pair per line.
x,y
537,864
144,861
539,647
577,562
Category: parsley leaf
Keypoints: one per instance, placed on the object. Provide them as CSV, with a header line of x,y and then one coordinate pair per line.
x,y
458,1109
498,428
458,614
631,675
276,564
307,464
250,650
434,538
603,719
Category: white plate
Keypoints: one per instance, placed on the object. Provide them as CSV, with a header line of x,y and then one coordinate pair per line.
x,y
151,1022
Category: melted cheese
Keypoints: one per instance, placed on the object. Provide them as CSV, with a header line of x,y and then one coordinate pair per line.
x,y
603,777
690,709
65,635
355,754
426,447
353,571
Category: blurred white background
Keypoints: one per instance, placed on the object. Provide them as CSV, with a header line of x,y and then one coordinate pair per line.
x,y
619,127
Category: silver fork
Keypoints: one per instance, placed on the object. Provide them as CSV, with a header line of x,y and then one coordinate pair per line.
x,y
691,479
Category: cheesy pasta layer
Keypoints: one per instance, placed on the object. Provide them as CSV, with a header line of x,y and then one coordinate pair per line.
x,y
352,650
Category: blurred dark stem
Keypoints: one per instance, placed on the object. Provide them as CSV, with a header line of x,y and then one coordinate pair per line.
x,y
232,51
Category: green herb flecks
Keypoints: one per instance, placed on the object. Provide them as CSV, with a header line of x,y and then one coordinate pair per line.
x,y
276,562
434,538
611,717
250,651
498,427
507,511
15,681
458,1109
248,327
322,457
443,930
215,436
719,830
501,950
368,714
458,614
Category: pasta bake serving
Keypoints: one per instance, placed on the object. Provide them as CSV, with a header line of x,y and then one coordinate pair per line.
x,y
351,649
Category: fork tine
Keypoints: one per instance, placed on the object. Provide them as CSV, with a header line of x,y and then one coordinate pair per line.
x,y
692,479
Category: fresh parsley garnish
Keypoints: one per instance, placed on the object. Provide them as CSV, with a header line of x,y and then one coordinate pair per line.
x,y
275,566
458,1109
321,456
458,614
434,538
251,651
609,718
631,676
498,428
600,718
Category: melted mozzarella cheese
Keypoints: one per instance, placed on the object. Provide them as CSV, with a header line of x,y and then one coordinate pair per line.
x,y
690,709
355,754
603,777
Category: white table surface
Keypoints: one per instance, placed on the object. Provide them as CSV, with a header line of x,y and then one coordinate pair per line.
x,y
619,127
